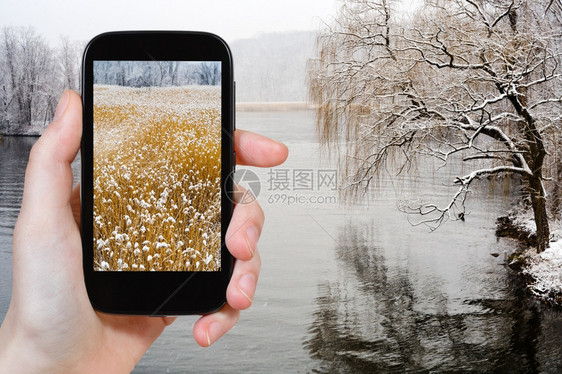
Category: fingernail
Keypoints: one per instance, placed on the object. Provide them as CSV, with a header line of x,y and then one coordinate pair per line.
x,y
246,285
214,331
61,106
252,237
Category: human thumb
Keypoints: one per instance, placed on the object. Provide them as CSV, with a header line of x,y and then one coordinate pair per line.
x,y
47,244
46,220
48,179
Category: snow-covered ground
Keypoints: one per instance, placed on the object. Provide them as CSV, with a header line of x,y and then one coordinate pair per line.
x,y
544,269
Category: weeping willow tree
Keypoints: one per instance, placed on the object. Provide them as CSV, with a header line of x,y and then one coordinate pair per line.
x,y
474,80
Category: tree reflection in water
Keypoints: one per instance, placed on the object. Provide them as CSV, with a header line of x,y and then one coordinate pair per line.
x,y
371,319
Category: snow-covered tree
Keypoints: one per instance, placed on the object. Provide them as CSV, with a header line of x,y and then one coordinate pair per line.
x,y
69,57
209,73
475,80
29,77
156,73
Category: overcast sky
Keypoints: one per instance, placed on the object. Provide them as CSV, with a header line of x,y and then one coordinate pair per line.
x,y
234,19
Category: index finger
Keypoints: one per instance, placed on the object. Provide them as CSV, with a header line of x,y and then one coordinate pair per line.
x,y
257,150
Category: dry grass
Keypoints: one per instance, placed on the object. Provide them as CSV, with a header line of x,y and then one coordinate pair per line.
x,y
157,204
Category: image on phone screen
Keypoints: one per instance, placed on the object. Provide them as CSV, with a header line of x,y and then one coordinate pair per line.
x,y
157,166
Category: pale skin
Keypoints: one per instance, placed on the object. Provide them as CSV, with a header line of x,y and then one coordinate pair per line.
x,y
50,325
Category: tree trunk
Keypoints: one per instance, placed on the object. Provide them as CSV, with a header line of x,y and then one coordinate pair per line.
x,y
538,202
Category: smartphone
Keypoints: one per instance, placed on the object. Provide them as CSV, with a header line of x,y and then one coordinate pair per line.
x,y
157,154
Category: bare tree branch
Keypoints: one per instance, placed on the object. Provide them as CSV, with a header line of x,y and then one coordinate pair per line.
x,y
473,80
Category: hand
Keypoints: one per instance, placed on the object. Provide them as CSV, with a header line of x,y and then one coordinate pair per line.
x,y
50,325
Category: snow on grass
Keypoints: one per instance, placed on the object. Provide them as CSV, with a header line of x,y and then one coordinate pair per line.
x,y
524,220
156,180
546,271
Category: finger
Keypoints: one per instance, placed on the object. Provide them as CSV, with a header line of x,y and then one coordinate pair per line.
x,y
209,328
242,286
244,229
46,240
256,150
49,176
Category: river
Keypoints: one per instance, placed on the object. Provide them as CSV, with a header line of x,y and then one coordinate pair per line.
x,y
355,289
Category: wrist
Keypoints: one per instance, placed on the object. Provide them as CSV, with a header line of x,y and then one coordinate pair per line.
x,y
18,354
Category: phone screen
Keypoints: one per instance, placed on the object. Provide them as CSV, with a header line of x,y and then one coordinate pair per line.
x,y
157,165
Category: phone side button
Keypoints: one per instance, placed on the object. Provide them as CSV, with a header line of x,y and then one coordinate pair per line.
x,y
233,161
234,107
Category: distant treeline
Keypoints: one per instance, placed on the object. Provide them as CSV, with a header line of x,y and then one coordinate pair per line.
x,y
32,77
272,67
157,73
33,74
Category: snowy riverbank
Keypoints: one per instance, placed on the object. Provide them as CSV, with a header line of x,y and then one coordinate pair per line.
x,y
543,271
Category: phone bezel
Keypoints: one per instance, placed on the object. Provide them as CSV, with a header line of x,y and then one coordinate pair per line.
x,y
157,293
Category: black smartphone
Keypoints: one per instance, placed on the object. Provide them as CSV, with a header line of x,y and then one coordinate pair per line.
x,y
157,154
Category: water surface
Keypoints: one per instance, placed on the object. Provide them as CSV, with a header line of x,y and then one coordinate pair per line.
x,y
14,153
353,290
